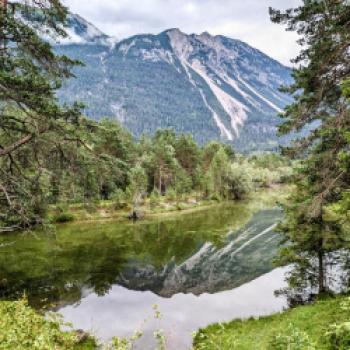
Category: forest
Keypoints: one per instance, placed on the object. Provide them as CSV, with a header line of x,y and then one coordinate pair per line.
x,y
52,157
101,162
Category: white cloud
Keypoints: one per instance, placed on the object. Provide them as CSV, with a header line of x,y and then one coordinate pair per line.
x,y
247,20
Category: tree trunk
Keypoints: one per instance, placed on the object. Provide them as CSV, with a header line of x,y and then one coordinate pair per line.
x,y
160,181
321,273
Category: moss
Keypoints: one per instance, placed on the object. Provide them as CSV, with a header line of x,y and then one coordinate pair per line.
x,y
313,321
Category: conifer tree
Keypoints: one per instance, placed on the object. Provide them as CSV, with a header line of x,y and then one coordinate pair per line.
x,y
30,115
323,64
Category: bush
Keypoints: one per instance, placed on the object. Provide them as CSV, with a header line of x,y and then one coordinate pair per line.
x,y
171,194
292,339
266,177
215,197
338,337
63,217
119,199
180,206
239,180
154,199
22,328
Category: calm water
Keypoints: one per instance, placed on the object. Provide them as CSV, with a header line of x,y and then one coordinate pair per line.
x,y
202,267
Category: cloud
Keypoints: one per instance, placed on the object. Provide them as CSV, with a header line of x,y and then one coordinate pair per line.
x,y
247,20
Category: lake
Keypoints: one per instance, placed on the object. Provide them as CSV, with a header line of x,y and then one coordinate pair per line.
x,y
200,267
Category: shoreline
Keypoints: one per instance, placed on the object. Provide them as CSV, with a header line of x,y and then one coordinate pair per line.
x,y
104,212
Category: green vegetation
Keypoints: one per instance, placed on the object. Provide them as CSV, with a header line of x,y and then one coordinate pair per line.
x,y
317,211
112,176
32,122
22,328
322,326
58,166
316,225
52,155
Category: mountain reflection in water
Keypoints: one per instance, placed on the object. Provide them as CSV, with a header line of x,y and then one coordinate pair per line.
x,y
207,266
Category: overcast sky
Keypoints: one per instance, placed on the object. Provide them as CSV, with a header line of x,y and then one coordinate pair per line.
x,y
247,20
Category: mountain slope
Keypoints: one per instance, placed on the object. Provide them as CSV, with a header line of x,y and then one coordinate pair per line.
x,y
211,86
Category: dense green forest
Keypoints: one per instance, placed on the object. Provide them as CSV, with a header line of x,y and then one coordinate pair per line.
x,y
102,162
51,155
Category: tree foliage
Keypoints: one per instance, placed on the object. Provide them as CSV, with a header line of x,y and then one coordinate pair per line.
x,y
31,119
319,92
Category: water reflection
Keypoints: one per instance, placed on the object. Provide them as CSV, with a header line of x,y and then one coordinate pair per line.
x,y
246,254
122,311
106,277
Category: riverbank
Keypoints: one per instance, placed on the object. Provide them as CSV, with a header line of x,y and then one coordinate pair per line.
x,y
309,327
109,210
323,325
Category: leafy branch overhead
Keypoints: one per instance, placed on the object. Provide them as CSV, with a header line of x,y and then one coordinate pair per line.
x,y
30,74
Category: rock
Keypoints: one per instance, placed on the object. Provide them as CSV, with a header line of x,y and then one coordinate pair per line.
x,y
136,215
81,336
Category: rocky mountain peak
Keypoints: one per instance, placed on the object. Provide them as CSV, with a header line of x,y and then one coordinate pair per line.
x,y
211,86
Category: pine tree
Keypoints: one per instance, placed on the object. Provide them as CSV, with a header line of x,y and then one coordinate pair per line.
x,y
30,115
323,64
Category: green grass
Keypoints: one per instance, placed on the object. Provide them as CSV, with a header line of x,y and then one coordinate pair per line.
x,y
313,321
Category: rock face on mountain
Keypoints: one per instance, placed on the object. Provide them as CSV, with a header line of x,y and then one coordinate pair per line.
x,y
211,86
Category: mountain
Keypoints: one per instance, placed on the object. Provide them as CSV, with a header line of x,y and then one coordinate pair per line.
x,y
211,86
81,31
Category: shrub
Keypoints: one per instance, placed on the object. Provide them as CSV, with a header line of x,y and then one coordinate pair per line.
x,y
292,339
119,199
180,206
171,194
63,217
239,180
154,199
266,177
338,337
22,328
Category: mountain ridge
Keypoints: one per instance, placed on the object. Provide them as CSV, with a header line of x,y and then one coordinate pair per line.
x,y
211,86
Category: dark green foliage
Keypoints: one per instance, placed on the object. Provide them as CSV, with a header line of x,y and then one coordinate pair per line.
x,y
63,217
30,116
320,90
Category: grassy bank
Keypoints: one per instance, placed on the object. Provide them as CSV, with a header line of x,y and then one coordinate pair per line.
x,y
309,327
109,210
104,210
323,325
